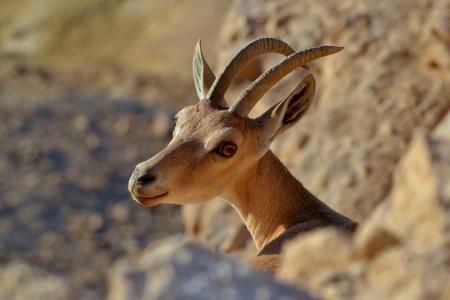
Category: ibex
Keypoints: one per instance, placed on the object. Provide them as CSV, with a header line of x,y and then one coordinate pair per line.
x,y
217,150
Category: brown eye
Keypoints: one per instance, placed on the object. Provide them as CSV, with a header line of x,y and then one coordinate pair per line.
x,y
226,149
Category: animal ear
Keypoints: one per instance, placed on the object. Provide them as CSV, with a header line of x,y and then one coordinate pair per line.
x,y
287,112
203,76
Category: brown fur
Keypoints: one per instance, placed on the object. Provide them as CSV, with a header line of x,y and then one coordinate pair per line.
x,y
274,205
280,211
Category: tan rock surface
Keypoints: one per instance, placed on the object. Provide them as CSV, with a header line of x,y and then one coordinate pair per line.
x,y
174,269
401,251
219,225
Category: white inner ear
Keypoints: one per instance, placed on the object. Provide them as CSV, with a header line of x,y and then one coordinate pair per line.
x,y
203,75
287,112
199,78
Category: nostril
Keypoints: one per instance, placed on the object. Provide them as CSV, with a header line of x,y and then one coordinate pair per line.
x,y
146,179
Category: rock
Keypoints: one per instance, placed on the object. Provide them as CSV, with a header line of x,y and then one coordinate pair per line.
x,y
441,138
80,123
400,273
71,149
436,57
320,260
324,248
220,225
349,166
20,281
402,251
237,32
119,213
373,240
174,269
416,212
442,130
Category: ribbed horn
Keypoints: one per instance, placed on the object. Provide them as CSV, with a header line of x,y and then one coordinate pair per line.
x,y
253,50
268,79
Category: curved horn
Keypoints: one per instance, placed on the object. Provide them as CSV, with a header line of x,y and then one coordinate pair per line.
x,y
254,49
264,83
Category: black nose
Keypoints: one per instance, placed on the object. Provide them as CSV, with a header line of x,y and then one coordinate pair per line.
x,y
143,177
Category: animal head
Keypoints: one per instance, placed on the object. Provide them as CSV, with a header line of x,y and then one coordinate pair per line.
x,y
213,143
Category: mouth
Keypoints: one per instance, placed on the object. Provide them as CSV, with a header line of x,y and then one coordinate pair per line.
x,y
149,200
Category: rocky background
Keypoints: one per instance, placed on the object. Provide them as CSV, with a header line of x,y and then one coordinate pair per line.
x,y
87,90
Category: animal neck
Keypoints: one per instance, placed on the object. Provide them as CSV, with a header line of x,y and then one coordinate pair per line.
x,y
270,200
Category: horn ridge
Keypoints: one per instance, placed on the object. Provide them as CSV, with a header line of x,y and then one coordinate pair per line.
x,y
251,51
268,79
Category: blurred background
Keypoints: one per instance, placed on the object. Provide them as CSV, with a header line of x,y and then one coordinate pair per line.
x,y
88,88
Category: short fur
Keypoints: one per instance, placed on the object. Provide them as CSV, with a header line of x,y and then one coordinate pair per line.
x,y
273,204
